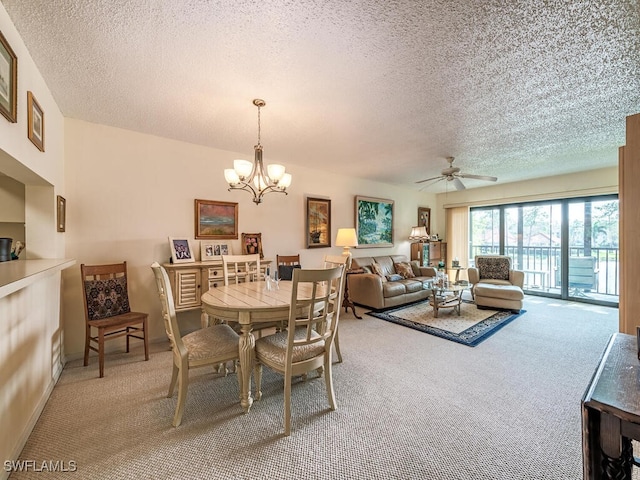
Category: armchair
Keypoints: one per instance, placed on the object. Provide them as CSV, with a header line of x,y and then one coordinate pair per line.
x,y
495,283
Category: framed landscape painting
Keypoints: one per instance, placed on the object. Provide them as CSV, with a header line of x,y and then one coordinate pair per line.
x,y
216,220
318,222
374,222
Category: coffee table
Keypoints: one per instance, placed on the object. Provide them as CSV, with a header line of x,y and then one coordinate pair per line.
x,y
446,296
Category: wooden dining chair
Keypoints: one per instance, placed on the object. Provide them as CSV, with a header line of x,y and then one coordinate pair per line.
x,y
331,261
306,344
107,310
286,264
240,268
214,345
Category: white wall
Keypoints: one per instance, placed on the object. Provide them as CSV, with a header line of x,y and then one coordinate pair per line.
x,y
127,192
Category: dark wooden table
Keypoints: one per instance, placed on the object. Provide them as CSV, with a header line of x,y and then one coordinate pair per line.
x,y
346,301
611,412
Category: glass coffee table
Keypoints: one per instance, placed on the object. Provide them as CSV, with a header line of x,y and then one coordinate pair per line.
x,y
446,295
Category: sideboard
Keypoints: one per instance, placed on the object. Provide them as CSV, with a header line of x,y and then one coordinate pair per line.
x,y
190,280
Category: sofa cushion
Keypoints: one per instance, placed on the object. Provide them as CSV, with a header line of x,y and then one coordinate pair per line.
x,y
411,285
404,269
493,267
393,289
507,292
377,269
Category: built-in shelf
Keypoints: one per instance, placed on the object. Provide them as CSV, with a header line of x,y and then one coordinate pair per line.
x,y
17,274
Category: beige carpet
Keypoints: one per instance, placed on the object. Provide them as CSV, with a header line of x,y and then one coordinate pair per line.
x,y
410,406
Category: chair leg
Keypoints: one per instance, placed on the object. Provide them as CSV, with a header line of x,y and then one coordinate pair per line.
x,y
87,339
328,379
287,405
336,340
128,337
257,377
145,335
101,351
183,386
174,377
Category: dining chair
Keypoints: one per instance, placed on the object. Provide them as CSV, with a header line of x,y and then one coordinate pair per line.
x,y
285,265
214,345
107,309
331,261
240,268
306,344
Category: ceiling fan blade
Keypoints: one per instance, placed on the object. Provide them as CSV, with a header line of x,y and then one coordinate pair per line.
x,y
439,177
458,184
479,177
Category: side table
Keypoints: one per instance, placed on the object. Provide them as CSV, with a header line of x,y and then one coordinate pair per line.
x,y
346,301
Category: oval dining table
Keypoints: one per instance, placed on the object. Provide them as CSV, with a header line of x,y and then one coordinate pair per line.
x,y
248,304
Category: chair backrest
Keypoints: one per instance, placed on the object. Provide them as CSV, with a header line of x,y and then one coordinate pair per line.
x,y
582,272
240,268
169,311
105,290
335,260
315,309
286,264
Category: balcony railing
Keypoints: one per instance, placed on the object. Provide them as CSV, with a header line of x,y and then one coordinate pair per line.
x,y
542,265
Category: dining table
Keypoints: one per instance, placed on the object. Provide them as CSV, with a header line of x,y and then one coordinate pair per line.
x,y
249,304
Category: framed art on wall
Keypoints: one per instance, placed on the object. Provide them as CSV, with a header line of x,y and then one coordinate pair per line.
x,y
252,243
424,218
8,81
61,210
35,121
216,220
181,251
374,222
318,222
210,251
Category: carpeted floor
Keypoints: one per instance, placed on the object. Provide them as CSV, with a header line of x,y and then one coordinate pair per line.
x,y
469,328
410,406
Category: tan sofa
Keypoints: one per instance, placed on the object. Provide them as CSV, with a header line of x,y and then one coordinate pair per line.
x,y
382,291
496,284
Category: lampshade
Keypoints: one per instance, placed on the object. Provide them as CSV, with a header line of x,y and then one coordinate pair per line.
x,y
419,233
346,238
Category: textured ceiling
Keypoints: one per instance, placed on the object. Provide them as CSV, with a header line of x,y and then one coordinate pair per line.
x,y
380,89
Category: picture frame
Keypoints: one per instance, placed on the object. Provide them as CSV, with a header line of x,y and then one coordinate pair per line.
x,y
374,221
424,218
61,210
181,250
8,81
216,220
318,223
210,251
252,243
35,123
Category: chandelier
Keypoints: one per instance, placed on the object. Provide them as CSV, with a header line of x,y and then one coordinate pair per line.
x,y
252,177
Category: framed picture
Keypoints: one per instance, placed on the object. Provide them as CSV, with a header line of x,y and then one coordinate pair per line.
x,y
35,117
61,213
252,243
216,220
424,218
8,81
181,251
210,251
374,222
318,222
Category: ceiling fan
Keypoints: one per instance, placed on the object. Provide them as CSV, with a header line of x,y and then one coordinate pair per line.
x,y
452,174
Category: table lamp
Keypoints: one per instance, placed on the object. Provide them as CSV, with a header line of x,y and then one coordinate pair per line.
x,y
346,238
420,234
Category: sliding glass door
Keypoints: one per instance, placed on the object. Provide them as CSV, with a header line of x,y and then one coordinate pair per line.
x,y
566,248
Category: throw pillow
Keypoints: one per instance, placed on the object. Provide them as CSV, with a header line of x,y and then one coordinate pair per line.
x,y
495,268
107,298
404,269
377,269
394,277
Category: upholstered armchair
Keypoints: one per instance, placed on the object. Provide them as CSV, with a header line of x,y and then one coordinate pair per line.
x,y
495,283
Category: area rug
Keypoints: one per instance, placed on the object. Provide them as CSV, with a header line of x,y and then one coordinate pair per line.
x,y
470,328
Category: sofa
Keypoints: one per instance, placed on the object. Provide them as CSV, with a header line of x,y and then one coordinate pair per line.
x,y
496,284
388,281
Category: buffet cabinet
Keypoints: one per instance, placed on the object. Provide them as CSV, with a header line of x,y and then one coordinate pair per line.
x,y
433,251
190,280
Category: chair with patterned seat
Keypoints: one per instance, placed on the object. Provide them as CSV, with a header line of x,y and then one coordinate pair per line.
x,y
286,264
107,309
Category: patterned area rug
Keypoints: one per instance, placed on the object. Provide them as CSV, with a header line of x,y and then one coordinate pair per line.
x,y
470,328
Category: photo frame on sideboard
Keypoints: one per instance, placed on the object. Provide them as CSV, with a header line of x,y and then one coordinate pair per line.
x,y
211,251
252,243
181,250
